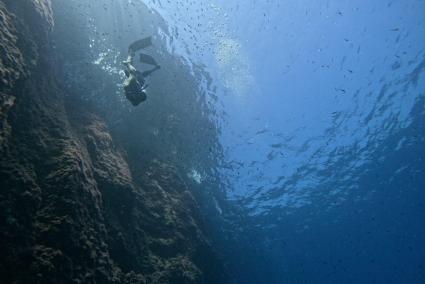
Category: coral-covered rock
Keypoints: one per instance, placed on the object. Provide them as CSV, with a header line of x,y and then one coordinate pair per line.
x,y
12,66
22,25
72,209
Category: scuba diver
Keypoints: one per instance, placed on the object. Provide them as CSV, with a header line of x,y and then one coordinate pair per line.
x,y
134,84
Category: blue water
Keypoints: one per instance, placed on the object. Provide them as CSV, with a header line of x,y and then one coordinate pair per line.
x,y
323,132
321,112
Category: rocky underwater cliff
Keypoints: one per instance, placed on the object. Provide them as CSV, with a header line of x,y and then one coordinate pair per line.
x,y
75,207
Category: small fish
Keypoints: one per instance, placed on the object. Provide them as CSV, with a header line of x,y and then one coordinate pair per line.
x,y
340,90
279,145
261,131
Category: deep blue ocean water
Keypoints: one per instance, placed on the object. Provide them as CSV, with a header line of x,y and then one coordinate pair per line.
x,y
321,112
324,133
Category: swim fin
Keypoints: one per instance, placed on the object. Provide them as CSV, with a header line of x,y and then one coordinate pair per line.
x,y
140,44
144,58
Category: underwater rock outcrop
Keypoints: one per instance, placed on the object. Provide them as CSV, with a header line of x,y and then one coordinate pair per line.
x,y
72,210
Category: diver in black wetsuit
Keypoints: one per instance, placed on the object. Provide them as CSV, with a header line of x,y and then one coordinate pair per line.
x,y
134,84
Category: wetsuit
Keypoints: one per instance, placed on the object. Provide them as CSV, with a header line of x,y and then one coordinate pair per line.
x,y
134,84
133,89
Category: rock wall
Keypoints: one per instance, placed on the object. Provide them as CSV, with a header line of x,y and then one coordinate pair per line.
x,y
72,210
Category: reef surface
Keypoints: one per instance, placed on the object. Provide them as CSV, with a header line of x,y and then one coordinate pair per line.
x,y
72,209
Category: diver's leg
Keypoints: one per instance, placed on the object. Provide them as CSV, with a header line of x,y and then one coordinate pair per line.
x,y
130,58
